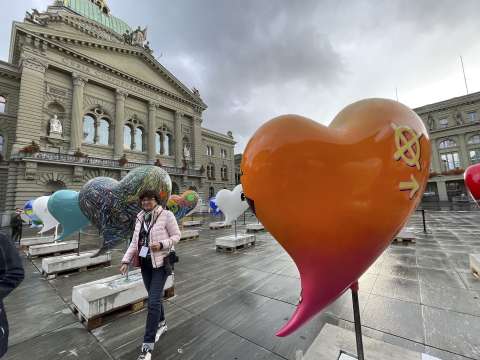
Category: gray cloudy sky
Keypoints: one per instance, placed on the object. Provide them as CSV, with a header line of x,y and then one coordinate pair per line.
x,y
256,59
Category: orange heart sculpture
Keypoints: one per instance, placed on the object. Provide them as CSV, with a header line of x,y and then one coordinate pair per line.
x,y
334,197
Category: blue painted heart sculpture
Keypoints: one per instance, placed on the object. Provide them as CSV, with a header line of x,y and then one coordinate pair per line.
x,y
64,207
112,206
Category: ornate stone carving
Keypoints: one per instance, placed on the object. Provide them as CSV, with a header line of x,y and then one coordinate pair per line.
x,y
55,127
79,80
121,95
431,122
36,18
33,63
458,117
186,151
91,102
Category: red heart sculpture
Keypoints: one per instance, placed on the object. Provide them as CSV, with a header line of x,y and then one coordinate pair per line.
x,y
472,180
334,197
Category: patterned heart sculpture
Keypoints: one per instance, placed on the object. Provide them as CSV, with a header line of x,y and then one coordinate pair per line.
x,y
65,208
112,206
472,180
181,205
231,203
354,185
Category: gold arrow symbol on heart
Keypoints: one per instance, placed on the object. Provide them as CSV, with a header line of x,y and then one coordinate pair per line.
x,y
410,185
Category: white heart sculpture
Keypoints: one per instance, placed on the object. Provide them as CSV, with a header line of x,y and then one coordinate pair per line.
x,y
231,203
40,209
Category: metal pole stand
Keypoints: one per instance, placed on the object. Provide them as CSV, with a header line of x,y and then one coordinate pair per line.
x,y
235,229
424,222
358,324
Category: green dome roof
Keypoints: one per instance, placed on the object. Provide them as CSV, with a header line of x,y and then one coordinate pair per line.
x,y
91,11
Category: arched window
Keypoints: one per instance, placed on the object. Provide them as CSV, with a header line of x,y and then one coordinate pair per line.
x,y
3,104
103,132
447,143
127,137
224,173
138,139
53,186
158,142
88,129
96,127
474,140
211,192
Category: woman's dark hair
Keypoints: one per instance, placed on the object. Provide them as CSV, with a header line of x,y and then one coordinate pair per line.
x,y
150,194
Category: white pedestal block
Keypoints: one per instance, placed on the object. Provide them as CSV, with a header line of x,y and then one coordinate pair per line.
x,y
232,242
219,225
53,248
192,223
105,295
24,243
189,234
332,341
255,228
475,265
405,235
64,263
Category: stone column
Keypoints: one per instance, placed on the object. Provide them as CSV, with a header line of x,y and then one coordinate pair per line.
x,y
197,141
119,123
152,129
463,153
436,164
76,127
442,191
30,102
162,143
178,139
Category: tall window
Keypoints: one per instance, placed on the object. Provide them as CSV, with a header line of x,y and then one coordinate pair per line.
x,y
211,171
127,137
96,128
158,143
474,156
88,129
472,116
224,153
2,144
139,139
447,143
209,150
103,132
168,145
475,139
443,123
3,104
211,192
224,173
450,161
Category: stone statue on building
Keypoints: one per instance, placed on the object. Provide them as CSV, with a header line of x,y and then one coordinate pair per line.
x,y
55,127
195,91
35,17
139,37
186,152
458,118
431,122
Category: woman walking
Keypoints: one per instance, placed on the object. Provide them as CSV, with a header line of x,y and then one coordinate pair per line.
x,y
156,233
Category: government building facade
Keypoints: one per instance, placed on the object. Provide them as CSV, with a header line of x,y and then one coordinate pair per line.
x,y
83,96
454,128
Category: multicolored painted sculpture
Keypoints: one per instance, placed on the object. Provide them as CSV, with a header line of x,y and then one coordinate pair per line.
x,y
65,208
213,205
334,197
112,206
231,203
472,180
40,208
28,211
181,205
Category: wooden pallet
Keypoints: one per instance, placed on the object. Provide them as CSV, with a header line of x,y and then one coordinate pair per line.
x,y
217,227
109,316
231,249
191,237
73,271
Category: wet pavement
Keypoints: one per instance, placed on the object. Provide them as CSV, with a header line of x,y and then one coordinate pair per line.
x,y
228,306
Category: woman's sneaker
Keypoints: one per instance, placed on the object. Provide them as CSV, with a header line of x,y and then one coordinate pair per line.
x,y
146,354
162,329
